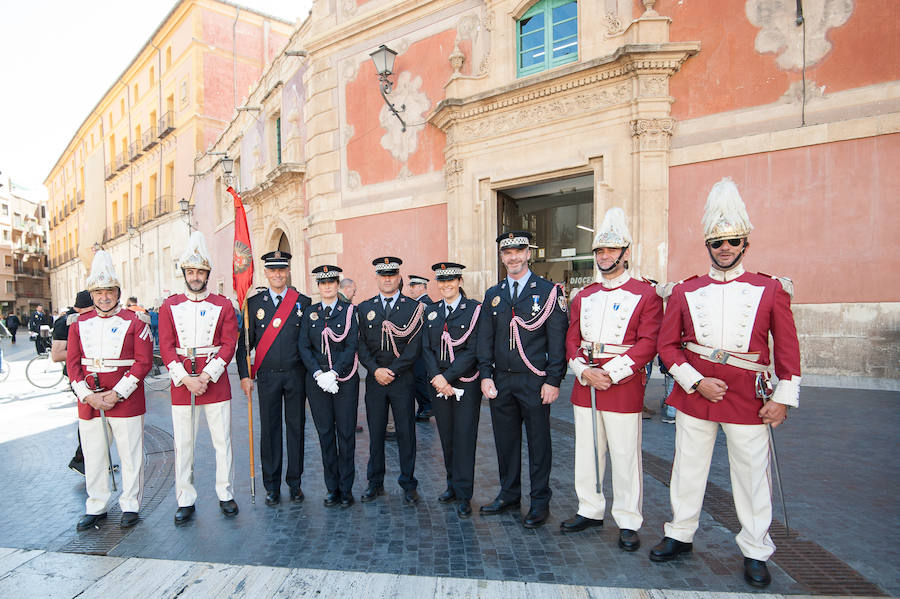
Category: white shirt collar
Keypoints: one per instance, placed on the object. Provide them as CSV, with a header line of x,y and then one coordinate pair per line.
x,y
616,281
725,276
454,304
522,282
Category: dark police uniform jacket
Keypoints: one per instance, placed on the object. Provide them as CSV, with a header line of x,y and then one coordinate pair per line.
x,y
545,348
465,359
284,354
371,354
343,354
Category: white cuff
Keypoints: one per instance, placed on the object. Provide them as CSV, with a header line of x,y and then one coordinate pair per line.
x,y
316,374
215,368
685,375
177,372
81,390
787,392
126,385
578,366
619,368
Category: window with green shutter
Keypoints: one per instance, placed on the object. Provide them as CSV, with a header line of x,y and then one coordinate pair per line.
x,y
547,36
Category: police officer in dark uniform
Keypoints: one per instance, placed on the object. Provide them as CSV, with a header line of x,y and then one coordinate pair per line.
x,y
329,336
389,343
522,361
448,348
274,315
422,391
35,324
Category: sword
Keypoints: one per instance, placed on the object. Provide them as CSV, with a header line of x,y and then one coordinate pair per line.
x,y
764,392
192,354
590,354
112,476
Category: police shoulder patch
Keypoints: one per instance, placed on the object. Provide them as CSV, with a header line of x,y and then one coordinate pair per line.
x,y
561,300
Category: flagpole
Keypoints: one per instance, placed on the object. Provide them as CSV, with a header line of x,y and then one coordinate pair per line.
x,y
249,404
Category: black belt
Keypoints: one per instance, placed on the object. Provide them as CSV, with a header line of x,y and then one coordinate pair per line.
x,y
274,370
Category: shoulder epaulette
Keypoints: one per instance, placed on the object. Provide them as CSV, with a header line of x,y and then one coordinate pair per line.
x,y
72,318
650,281
786,283
664,290
143,317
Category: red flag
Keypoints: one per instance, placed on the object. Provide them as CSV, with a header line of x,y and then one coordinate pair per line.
x,y
242,259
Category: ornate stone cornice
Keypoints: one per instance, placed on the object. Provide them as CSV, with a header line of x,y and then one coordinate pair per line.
x,y
278,178
643,59
652,134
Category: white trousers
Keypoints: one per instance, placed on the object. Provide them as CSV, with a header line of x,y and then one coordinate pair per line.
x,y
621,433
748,457
218,418
128,434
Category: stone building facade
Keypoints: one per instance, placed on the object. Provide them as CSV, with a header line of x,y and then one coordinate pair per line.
x,y
542,114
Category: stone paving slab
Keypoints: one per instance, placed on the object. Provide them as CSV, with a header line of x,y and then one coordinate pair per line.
x,y
841,471
89,576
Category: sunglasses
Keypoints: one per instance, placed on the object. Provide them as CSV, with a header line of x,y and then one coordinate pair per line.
x,y
718,243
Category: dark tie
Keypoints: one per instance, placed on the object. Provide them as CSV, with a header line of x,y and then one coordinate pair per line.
x,y
277,300
327,311
515,291
387,304
449,311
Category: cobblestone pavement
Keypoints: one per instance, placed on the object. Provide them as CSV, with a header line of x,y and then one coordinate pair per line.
x,y
839,461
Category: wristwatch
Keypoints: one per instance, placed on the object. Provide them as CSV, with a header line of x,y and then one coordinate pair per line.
x,y
695,385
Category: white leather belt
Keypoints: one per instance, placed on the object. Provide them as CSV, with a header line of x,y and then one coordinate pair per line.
x,y
747,361
105,362
605,350
205,351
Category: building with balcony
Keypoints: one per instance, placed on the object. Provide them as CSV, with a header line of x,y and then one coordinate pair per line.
x,y
24,277
117,183
542,114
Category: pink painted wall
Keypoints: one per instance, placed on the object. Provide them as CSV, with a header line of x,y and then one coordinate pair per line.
x,y
417,236
365,155
826,216
865,50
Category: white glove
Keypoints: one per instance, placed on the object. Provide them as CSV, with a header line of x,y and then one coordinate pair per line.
x,y
326,379
458,392
333,388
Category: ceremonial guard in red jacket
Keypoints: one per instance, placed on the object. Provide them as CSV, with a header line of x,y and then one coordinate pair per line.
x,y
613,325
714,340
197,339
108,354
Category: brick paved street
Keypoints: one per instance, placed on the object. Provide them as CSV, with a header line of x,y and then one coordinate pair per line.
x,y
838,454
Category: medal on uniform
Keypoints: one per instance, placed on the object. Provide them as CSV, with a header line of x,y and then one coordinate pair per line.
x,y
314,316
276,323
432,316
535,306
561,300
370,315
260,314
495,301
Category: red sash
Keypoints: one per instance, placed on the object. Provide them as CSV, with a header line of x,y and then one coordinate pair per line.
x,y
265,342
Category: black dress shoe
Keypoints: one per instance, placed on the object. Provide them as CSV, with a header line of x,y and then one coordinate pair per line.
x,y
297,494
577,523
756,572
464,508
332,499
447,496
536,517
129,519
273,498
347,499
629,540
90,521
229,508
371,493
183,515
77,466
668,549
498,506
410,497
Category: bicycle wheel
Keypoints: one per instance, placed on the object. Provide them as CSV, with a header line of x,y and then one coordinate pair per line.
x,y
43,372
158,378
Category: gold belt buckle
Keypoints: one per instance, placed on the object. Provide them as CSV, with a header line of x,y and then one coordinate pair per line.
x,y
97,362
719,355
599,348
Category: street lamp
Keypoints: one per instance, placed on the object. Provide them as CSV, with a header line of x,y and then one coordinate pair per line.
x,y
186,210
383,58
